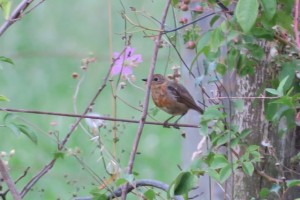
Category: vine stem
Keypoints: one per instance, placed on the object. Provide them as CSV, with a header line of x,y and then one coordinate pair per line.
x,y
146,100
296,18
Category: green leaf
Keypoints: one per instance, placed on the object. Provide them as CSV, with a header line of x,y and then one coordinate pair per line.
x,y
59,154
98,194
288,69
263,33
269,7
225,173
213,112
213,20
219,161
221,68
13,128
149,194
201,44
120,181
279,112
284,20
28,132
204,128
255,156
248,168
224,138
245,133
7,60
17,129
285,100
263,193
174,2
253,148
5,5
280,88
272,91
256,51
246,13
8,118
3,98
183,183
232,59
204,40
216,39
213,174
292,183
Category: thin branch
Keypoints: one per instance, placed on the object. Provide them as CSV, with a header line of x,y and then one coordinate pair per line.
x,y
139,183
34,7
269,178
37,177
90,117
296,19
146,100
15,15
261,97
61,146
9,182
194,21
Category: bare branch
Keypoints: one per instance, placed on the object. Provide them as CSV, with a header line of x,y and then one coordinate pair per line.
x,y
296,20
17,14
139,183
146,100
9,182
61,146
37,177
89,117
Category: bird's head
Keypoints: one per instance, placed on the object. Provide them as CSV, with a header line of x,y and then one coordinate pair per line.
x,y
156,79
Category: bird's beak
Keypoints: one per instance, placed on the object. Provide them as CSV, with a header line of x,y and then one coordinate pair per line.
x,y
144,79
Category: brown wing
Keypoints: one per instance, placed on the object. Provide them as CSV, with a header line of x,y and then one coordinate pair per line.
x,y
183,96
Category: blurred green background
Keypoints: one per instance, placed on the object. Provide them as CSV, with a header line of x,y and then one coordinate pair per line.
x,y
47,46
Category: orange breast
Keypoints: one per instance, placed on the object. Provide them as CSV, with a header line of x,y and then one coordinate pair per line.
x,y
166,102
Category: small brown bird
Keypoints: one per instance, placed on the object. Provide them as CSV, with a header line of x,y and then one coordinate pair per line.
x,y
172,97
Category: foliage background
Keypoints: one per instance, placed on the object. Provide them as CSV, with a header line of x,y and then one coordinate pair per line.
x,y
47,46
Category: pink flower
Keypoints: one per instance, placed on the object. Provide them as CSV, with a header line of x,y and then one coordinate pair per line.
x,y
125,62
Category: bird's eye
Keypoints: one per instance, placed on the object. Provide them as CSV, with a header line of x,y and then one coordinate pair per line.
x,y
155,79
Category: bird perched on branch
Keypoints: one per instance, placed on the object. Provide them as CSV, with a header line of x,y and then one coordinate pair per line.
x,y
172,97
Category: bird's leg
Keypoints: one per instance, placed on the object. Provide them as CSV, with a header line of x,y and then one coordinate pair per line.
x,y
166,125
176,122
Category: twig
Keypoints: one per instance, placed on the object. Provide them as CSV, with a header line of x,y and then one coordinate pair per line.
x,y
15,15
23,175
37,177
9,182
146,100
139,183
40,174
269,178
194,21
90,117
261,97
33,7
296,16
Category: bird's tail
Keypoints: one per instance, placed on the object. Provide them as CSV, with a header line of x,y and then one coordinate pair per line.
x,y
197,108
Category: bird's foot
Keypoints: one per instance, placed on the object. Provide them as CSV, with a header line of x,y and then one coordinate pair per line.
x,y
176,126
